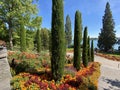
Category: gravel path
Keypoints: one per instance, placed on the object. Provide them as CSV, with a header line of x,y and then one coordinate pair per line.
x,y
5,74
110,74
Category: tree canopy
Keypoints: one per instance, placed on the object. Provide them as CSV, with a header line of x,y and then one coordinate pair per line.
x,y
16,13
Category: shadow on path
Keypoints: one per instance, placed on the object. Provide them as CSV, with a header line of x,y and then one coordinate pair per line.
x,y
115,83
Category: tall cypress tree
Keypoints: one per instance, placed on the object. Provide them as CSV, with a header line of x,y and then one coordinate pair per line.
x,y
107,37
68,31
77,40
22,39
58,40
89,50
85,48
38,41
92,51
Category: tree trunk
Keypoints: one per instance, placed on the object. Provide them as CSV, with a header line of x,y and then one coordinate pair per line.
x,y
10,37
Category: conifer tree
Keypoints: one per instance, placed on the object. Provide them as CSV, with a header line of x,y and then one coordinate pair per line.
x,y
58,40
85,48
68,31
38,41
22,39
107,37
89,50
77,40
92,51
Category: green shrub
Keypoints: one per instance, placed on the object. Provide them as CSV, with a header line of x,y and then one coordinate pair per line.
x,y
13,73
25,67
91,86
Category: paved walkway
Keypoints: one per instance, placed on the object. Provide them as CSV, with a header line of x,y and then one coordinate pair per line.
x,y
5,75
110,74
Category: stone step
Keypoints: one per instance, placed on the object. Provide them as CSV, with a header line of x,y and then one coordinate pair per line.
x,y
5,75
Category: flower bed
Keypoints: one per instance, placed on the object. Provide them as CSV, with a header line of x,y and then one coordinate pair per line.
x,y
85,79
32,72
110,57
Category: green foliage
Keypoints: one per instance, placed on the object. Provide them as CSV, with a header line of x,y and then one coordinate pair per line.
x,y
107,37
31,66
35,23
77,40
87,84
30,39
22,39
45,38
85,48
58,40
89,50
3,32
14,13
13,73
68,31
92,51
38,39
21,67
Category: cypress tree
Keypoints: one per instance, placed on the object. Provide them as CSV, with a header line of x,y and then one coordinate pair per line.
x,y
58,40
85,48
22,39
89,50
38,41
77,40
68,31
107,37
44,35
92,51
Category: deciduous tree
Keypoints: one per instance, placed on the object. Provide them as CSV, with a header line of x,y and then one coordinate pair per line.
x,y
14,13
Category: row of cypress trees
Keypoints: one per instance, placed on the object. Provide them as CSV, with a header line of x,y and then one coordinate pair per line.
x,y
87,53
58,41
58,47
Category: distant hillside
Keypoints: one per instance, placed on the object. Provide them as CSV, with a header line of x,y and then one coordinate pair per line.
x,y
118,38
93,38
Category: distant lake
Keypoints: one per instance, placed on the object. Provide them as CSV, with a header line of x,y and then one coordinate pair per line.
x,y
96,41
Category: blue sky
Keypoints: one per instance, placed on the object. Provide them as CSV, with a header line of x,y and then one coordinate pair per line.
x,y
92,13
